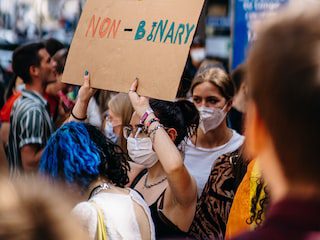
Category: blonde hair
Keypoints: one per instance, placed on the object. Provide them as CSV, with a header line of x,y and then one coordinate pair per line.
x,y
31,209
121,106
218,77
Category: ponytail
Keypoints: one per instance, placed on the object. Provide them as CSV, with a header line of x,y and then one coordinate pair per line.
x,y
182,115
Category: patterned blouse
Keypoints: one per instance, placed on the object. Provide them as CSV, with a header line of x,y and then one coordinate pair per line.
x,y
215,202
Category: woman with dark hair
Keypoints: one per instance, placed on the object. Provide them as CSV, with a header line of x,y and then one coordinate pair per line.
x,y
82,156
157,129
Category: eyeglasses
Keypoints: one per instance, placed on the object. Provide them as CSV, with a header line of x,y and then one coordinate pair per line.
x,y
134,131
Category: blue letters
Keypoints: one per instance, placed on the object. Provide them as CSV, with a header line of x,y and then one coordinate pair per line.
x,y
177,33
140,31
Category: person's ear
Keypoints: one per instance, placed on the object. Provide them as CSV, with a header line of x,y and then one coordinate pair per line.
x,y
228,105
34,71
172,134
255,131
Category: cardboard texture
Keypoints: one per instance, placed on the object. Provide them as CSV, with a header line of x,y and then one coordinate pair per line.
x,y
120,40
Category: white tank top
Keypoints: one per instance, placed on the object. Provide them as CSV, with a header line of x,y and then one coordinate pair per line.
x,y
118,212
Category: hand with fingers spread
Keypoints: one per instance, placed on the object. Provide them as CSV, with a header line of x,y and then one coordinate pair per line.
x,y
140,104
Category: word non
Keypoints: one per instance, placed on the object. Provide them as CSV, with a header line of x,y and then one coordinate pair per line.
x,y
164,32
103,27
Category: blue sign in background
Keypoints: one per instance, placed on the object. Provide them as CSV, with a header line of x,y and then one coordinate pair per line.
x,y
244,12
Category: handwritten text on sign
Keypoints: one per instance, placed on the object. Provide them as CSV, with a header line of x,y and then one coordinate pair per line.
x,y
162,31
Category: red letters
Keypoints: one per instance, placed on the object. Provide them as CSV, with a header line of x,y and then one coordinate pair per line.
x,y
107,27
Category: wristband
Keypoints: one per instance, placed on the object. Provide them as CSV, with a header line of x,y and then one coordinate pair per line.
x,y
145,115
77,118
152,121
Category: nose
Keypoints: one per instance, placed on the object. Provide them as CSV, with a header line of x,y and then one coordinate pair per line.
x,y
203,103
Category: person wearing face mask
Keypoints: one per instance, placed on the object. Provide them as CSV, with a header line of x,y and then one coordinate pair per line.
x,y
155,131
119,114
214,157
212,92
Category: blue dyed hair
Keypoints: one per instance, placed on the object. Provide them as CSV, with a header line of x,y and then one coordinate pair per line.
x,y
79,153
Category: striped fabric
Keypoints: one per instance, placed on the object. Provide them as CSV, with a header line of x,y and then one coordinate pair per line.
x,y
30,124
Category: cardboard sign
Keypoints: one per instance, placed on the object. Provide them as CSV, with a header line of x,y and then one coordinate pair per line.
x,y
118,41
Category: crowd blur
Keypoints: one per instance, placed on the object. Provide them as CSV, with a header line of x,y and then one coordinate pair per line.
x,y
235,156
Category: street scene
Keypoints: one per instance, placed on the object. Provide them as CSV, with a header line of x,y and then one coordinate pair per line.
x,y
159,119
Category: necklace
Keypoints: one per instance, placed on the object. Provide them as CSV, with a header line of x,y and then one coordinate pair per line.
x,y
146,185
99,188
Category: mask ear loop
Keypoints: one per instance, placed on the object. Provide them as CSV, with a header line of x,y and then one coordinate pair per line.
x,y
138,132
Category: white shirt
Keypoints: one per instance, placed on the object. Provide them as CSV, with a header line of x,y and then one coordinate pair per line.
x,y
199,161
118,212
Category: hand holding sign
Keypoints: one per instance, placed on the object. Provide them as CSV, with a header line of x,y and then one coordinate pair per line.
x,y
140,104
128,39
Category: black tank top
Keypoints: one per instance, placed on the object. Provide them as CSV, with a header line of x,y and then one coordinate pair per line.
x,y
164,228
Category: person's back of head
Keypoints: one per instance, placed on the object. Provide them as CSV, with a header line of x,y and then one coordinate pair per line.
x,y
31,209
79,153
52,45
238,76
60,57
24,57
181,115
284,83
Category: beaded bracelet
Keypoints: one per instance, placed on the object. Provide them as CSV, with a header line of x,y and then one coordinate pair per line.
x,y
77,118
155,119
153,131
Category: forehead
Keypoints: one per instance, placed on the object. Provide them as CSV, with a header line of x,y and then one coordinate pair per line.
x,y
206,89
43,53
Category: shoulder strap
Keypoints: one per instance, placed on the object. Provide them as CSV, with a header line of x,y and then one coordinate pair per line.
x,y
138,177
161,198
101,228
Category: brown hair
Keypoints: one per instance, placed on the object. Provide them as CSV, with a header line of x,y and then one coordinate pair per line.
x,y
216,76
121,105
284,82
31,209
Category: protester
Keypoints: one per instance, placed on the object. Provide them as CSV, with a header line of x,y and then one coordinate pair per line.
x,y
167,187
118,115
57,92
212,92
13,92
250,203
30,122
81,155
239,104
32,209
214,204
53,45
283,122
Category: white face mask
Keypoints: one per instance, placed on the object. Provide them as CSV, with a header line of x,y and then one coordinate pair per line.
x,y
198,54
141,152
109,133
211,118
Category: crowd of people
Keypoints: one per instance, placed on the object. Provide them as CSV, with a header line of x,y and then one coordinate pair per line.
x,y
234,157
